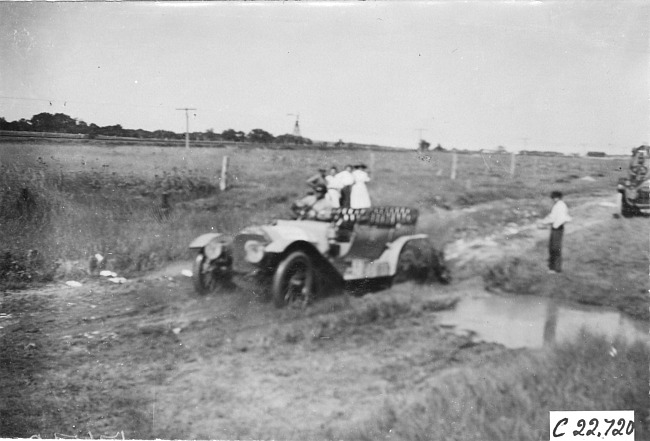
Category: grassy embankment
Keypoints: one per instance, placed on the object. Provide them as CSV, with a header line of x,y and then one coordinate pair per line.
x,y
606,264
498,402
83,200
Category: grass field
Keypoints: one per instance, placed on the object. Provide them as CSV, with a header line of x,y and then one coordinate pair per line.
x,y
112,357
86,199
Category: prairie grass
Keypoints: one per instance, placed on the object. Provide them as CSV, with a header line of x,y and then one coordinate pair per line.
x,y
606,264
67,202
512,401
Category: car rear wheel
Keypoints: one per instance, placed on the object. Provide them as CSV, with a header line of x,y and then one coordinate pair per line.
x,y
421,262
414,262
439,268
293,280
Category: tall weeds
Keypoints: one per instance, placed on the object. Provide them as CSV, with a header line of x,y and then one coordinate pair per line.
x,y
52,222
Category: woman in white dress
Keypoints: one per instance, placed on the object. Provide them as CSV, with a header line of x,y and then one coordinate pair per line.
x,y
333,188
359,197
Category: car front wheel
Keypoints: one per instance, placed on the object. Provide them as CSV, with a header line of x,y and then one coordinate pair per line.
x,y
293,280
206,276
627,210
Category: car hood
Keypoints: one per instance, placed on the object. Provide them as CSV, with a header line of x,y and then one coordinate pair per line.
x,y
285,232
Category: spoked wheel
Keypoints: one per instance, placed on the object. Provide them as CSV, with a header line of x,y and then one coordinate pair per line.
x,y
204,275
293,280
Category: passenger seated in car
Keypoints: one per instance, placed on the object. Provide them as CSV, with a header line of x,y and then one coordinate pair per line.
x,y
314,206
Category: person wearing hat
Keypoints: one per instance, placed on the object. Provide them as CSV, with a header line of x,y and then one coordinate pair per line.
x,y
317,179
359,197
345,180
556,219
314,206
333,187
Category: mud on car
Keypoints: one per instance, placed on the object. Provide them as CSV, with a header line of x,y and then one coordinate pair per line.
x,y
297,258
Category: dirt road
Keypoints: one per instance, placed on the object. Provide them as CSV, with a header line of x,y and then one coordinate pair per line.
x,y
151,359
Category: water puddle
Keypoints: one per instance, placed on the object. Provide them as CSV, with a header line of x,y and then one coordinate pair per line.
x,y
532,322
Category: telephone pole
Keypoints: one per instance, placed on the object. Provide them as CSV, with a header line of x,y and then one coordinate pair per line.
x,y
187,125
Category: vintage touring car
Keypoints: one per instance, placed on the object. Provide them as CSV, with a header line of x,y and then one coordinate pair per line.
x,y
292,256
635,188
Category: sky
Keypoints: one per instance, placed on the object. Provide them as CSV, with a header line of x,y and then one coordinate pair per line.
x,y
564,76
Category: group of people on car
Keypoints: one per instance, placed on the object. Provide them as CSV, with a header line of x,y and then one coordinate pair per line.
x,y
334,189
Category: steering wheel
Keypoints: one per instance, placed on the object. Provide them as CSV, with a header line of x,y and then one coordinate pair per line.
x,y
639,169
300,212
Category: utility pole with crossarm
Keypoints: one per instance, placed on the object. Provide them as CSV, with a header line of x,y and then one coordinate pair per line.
x,y
187,125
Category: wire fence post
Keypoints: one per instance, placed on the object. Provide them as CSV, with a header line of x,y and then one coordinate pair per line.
x,y
512,164
454,165
224,174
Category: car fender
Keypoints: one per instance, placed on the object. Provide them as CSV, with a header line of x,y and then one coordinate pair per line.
x,y
393,250
203,240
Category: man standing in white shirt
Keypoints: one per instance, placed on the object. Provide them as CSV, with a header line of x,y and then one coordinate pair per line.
x,y
557,218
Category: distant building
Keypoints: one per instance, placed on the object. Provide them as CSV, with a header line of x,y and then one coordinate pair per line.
x,y
596,154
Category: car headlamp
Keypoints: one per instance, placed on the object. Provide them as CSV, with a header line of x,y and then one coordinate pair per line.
x,y
213,250
254,251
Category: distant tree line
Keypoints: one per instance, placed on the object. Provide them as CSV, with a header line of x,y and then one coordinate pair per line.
x,y
539,153
62,123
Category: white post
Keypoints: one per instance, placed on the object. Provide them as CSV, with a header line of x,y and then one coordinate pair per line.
x,y
224,173
454,165
512,164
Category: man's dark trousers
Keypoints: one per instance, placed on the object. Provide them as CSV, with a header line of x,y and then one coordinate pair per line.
x,y
345,196
555,249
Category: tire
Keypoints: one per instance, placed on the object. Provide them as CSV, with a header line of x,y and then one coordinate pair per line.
x,y
639,170
204,279
421,262
414,262
627,210
439,269
293,280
